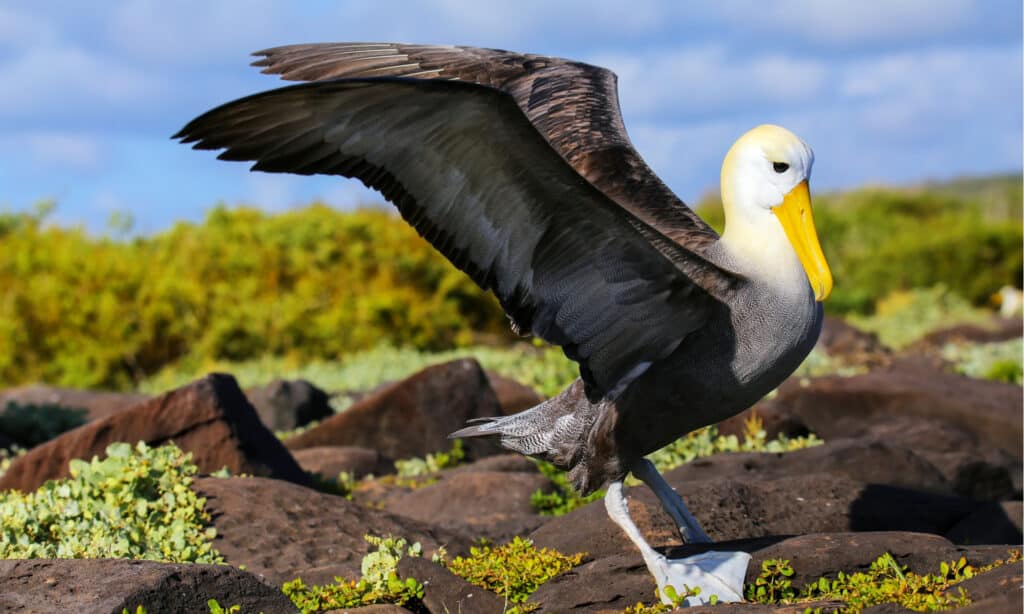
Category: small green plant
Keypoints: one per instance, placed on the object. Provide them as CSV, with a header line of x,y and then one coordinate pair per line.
x,y
773,584
32,424
431,463
379,583
514,570
217,608
886,581
136,503
139,609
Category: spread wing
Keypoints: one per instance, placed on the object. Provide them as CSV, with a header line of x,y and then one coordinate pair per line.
x,y
469,172
575,106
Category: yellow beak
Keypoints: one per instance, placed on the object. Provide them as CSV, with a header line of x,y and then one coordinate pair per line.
x,y
798,222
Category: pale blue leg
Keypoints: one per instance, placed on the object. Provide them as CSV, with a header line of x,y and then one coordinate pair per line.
x,y
715,573
689,528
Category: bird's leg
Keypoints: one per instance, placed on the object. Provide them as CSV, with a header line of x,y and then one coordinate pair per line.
x,y
689,528
714,573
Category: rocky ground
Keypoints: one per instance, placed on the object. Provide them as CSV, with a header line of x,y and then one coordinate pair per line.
x,y
918,462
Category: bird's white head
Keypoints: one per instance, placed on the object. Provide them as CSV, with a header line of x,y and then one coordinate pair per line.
x,y
768,207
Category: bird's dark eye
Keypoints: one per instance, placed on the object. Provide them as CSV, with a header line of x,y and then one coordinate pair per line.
x,y
780,167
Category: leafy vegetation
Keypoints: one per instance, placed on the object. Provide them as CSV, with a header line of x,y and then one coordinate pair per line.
x,y
310,284
379,583
314,285
698,444
545,369
135,503
32,424
1000,361
966,237
902,317
431,463
514,570
886,581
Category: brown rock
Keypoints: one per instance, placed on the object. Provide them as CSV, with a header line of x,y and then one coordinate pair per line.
x,y
867,460
851,344
825,554
992,523
445,592
111,585
999,329
380,608
507,463
612,583
836,407
329,461
96,404
413,417
210,418
488,504
281,531
996,592
283,405
775,420
731,508
513,397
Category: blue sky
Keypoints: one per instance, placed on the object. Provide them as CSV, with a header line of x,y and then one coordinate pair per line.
x,y
885,91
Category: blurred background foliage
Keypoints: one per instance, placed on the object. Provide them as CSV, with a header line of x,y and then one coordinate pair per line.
x,y
318,284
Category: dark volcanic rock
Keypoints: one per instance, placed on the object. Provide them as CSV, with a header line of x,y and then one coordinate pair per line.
x,y
96,404
999,329
825,554
281,531
612,583
413,417
490,504
445,592
210,418
995,592
112,585
866,460
851,344
731,508
283,405
329,461
907,393
775,420
992,523
507,463
513,397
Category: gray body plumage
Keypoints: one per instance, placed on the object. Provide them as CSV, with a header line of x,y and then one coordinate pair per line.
x,y
746,350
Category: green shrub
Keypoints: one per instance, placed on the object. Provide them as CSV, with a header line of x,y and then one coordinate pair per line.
x,y
31,424
880,241
308,284
135,503
514,570
431,463
904,316
379,582
886,581
545,369
1001,361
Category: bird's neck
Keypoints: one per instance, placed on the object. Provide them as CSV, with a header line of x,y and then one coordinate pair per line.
x,y
756,244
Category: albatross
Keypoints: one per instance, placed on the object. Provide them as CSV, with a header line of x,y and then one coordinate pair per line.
x,y
518,169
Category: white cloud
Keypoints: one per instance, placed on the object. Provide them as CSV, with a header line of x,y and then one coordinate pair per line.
x,y
193,31
19,28
61,79
842,22
52,150
707,79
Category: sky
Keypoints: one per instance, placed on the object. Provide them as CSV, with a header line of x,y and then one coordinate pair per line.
x,y
884,91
